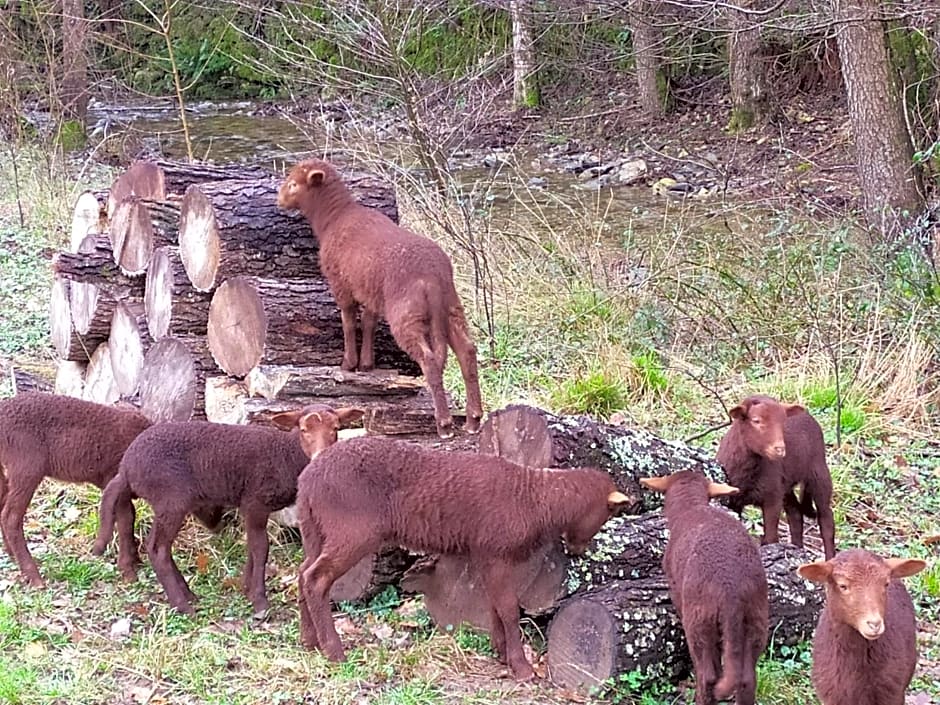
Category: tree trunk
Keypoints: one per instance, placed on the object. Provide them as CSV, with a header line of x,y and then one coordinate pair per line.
x,y
748,89
99,378
138,227
285,322
69,342
232,228
179,176
647,43
172,382
89,215
173,306
890,182
525,83
630,624
74,89
143,179
536,438
70,378
128,341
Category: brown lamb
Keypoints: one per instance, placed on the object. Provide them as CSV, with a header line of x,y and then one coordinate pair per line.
x,y
365,493
178,467
769,450
48,435
718,586
392,272
865,647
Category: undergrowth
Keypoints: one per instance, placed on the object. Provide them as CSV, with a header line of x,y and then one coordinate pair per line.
x,y
662,318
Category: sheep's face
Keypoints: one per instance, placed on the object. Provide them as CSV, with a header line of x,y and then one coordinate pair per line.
x,y
319,425
301,180
579,534
760,421
857,587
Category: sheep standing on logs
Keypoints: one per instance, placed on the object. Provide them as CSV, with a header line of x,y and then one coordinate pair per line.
x,y
180,467
392,272
718,586
865,647
769,450
47,435
365,493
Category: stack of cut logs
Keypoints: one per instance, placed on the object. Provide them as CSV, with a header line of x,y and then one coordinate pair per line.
x,y
188,292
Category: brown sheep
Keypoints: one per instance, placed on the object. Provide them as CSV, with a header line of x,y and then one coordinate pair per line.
x,y
718,586
865,647
67,439
178,467
392,272
769,450
365,493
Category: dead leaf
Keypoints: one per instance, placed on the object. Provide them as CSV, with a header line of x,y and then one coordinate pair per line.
x,y
382,631
71,515
35,649
202,563
121,628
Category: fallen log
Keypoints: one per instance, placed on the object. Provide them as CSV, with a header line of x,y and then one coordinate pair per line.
x,y
89,215
627,625
143,179
234,227
178,176
94,264
172,305
255,321
26,381
139,226
128,341
99,377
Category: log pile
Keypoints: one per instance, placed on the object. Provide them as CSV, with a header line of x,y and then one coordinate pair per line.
x,y
183,275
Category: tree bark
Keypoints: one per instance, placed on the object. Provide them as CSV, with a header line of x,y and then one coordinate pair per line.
x,y
231,228
749,96
25,381
285,322
173,306
142,179
179,176
99,377
647,40
94,265
74,89
525,83
89,215
630,624
128,341
890,182
138,227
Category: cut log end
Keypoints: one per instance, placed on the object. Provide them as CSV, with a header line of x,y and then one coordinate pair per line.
x,y
60,317
584,645
237,326
168,382
126,342
518,435
70,378
158,294
131,233
88,216
99,378
143,179
199,240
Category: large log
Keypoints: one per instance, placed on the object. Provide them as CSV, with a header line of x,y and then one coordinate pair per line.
x,y
23,380
128,341
630,624
68,341
178,176
231,228
89,215
139,226
143,179
169,382
93,263
255,321
172,305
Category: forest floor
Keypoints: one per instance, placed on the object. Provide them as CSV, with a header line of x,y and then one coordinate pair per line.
x,y
773,290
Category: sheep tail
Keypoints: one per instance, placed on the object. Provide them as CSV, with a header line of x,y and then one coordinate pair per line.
x,y
733,638
118,490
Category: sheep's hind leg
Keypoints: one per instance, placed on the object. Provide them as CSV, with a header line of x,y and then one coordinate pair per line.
x,y
19,494
506,606
369,319
166,526
311,541
705,650
466,353
128,550
347,313
794,517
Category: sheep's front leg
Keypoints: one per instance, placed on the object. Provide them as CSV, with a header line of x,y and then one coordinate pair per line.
x,y
19,495
771,511
256,524
496,578
367,357
794,518
347,313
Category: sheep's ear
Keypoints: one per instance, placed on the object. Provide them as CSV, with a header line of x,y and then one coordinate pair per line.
x,y
738,413
720,489
818,572
617,501
349,415
794,409
304,420
287,420
315,177
905,567
657,484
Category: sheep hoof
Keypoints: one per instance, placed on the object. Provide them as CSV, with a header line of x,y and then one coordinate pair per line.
x,y
445,431
97,550
35,580
522,674
472,425
260,614
129,575
347,366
